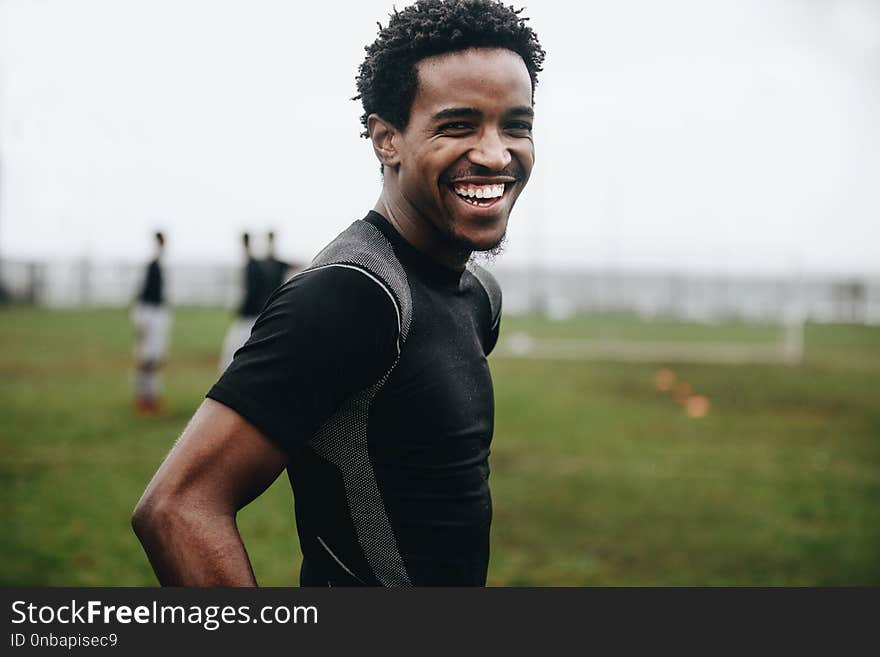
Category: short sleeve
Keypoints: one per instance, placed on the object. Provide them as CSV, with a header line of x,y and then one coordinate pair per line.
x,y
323,336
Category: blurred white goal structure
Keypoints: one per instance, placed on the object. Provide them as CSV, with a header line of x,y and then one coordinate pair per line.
x,y
788,349
734,320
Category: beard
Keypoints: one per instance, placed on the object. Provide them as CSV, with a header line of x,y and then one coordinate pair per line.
x,y
488,256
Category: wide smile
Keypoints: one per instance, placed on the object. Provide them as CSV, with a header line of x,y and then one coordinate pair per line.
x,y
481,194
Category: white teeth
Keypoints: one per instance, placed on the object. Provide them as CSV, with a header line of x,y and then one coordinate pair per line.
x,y
480,191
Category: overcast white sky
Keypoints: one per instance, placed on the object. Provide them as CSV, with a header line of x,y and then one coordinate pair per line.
x,y
709,135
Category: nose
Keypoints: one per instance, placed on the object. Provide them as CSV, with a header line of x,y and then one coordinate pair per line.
x,y
490,151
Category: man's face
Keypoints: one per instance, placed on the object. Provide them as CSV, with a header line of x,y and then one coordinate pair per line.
x,y
467,151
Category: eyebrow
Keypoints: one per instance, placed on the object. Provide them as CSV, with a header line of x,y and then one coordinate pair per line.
x,y
456,113
459,112
523,110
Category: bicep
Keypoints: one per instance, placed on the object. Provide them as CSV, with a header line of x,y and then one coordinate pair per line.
x,y
220,463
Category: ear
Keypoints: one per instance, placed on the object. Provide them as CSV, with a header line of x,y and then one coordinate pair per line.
x,y
384,137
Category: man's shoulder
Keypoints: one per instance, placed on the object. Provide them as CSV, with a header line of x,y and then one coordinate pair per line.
x,y
361,244
333,302
339,283
356,272
490,286
363,247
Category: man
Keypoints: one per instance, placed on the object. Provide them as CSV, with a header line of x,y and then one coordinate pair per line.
x,y
276,271
366,374
152,323
255,293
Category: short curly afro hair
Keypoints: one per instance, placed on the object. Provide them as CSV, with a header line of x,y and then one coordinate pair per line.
x,y
387,79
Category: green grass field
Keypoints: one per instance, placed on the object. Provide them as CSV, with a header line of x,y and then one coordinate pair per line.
x,y
598,478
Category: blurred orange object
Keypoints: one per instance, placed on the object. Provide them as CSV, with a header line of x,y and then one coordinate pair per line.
x,y
697,406
664,379
682,392
149,407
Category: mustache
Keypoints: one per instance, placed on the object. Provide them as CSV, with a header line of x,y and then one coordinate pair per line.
x,y
476,171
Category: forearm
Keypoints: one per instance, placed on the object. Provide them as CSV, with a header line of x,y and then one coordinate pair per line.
x,y
186,517
194,548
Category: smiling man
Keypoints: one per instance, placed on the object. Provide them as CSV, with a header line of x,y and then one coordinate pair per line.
x,y
365,376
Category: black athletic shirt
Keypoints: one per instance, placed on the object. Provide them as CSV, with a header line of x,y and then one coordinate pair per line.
x,y
369,368
152,289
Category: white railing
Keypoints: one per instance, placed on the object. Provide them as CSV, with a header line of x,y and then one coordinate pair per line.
x,y
690,297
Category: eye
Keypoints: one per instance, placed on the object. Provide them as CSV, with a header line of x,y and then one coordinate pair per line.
x,y
456,127
519,127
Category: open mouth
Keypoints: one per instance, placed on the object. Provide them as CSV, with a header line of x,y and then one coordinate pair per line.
x,y
480,195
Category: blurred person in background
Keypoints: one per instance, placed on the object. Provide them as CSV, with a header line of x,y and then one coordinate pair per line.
x,y
152,323
255,293
277,271
366,374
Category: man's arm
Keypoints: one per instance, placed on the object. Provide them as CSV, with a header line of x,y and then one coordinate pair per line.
x,y
185,519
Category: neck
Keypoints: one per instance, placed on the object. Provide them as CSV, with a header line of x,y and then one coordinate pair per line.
x,y
420,232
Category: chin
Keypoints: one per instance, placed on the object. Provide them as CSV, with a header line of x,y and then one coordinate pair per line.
x,y
491,246
487,239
